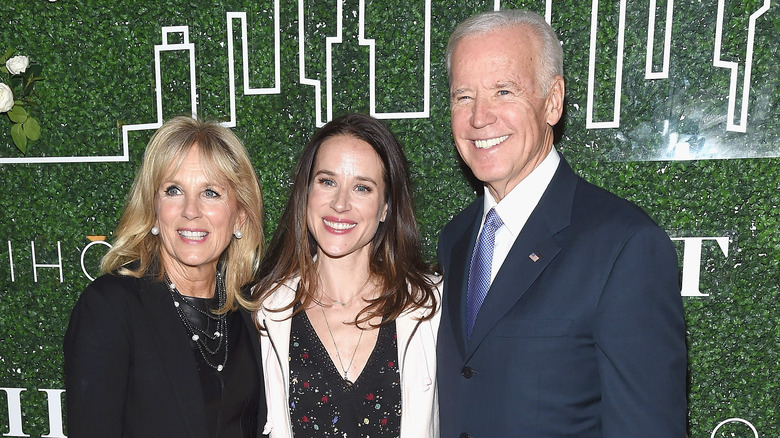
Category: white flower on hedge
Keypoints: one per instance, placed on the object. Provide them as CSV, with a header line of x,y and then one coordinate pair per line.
x,y
18,64
6,98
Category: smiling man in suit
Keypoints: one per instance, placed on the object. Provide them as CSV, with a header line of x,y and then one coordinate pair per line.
x,y
562,314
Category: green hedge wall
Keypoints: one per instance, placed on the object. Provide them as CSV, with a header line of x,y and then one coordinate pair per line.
x,y
98,62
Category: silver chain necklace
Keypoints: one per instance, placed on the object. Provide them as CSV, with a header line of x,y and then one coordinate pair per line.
x,y
344,303
198,335
345,370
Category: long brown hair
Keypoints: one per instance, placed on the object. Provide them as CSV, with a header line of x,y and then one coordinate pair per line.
x,y
395,256
225,156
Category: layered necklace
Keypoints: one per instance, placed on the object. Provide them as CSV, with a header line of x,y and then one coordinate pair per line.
x,y
201,336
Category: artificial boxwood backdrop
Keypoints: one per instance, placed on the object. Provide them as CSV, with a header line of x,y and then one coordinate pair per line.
x,y
98,59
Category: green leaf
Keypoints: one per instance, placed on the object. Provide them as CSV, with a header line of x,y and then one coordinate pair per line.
x,y
20,140
7,55
34,72
18,114
32,129
16,82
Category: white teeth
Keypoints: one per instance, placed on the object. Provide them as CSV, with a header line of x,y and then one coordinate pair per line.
x,y
489,143
339,225
193,235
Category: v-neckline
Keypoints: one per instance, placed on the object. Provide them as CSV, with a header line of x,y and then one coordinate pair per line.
x,y
334,369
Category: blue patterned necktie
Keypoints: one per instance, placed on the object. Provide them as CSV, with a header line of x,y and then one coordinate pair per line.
x,y
481,263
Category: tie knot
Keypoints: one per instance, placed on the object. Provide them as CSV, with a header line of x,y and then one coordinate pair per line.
x,y
493,220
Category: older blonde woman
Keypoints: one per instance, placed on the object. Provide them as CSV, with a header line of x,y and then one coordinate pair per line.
x,y
159,345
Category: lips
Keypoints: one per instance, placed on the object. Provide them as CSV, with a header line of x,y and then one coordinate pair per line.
x,y
193,235
338,225
490,142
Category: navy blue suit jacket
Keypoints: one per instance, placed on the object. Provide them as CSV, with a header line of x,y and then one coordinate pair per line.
x,y
588,341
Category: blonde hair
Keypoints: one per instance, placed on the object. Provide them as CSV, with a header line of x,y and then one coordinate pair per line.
x,y
136,252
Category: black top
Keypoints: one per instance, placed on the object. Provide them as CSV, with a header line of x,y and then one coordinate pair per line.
x,y
129,366
323,404
231,396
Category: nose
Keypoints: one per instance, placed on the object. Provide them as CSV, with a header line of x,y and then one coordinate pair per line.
x,y
340,201
191,209
482,113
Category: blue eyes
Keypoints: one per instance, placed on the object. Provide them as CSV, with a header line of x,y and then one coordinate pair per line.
x,y
327,182
176,191
172,191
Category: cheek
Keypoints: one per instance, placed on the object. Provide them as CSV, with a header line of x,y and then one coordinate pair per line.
x,y
165,212
458,119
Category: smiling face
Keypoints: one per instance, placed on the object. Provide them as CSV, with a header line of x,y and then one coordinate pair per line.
x,y
346,197
197,215
501,125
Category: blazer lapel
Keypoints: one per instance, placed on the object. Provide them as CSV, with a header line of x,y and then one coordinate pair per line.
x,y
456,281
535,247
250,324
176,356
515,277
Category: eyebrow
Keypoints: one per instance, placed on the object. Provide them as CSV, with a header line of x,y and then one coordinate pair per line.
x,y
505,84
495,86
454,93
358,177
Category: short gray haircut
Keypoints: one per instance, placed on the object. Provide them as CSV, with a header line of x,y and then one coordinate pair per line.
x,y
552,54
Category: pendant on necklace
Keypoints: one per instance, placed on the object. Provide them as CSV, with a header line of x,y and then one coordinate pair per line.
x,y
348,382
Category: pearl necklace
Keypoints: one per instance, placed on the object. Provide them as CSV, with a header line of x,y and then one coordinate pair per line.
x,y
198,335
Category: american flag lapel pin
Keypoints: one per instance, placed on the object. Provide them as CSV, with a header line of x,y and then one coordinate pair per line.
x,y
534,257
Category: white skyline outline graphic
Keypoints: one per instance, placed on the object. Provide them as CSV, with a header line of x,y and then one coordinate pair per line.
x,y
248,90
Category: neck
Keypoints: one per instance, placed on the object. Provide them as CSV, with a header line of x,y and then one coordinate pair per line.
x,y
198,283
343,283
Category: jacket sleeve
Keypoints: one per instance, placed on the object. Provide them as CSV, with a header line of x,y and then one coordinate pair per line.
x,y
97,364
640,341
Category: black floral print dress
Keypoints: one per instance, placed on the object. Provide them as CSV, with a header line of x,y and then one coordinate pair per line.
x,y
323,404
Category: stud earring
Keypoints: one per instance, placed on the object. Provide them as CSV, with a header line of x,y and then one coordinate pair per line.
x,y
155,231
238,234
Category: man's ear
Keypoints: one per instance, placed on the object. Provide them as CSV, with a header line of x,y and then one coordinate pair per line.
x,y
554,100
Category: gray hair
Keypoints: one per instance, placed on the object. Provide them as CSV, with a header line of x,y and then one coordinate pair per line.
x,y
552,54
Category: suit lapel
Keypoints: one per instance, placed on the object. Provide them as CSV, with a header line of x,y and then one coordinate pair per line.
x,y
456,282
537,241
515,277
176,356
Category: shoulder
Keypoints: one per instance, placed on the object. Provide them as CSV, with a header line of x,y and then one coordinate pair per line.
x,y
456,228
110,304
115,291
436,284
461,221
598,206
282,297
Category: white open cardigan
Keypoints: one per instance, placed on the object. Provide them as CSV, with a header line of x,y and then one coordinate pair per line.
x,y
416,356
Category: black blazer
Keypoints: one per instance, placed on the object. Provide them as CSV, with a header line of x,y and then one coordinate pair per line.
x,y
129,368
588,341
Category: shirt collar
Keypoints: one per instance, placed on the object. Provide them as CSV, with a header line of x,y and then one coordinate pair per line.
x,y
515,208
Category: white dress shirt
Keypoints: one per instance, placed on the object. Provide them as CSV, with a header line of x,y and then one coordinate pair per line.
x,y
517,206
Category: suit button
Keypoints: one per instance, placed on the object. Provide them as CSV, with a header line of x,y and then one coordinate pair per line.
x,y
464,435
467,373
